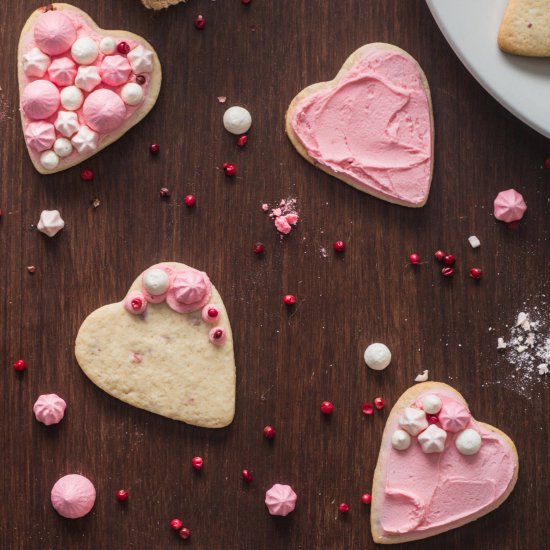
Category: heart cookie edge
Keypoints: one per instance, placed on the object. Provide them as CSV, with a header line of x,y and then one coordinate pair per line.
x,y
113,308
139,115
318,86
409,396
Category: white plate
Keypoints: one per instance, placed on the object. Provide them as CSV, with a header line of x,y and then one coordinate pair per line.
x,y
521,84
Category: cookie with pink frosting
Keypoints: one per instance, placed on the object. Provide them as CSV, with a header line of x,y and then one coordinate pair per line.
x,y
106,80
371,126
438,467
167,347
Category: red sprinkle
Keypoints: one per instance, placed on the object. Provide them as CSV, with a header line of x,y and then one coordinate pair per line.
x,y
269,432
439,255
190,200
289,299
339,246
414,259
547,163
122,495
343,508
176,524
184,533
449,260
242,141
367,408
123,48
366,498
475,273
31,269
218,334
212,312
136,303
154,148
448,271
229,170
200,22
164,192
20,365
197,462
86,174
247,476
258,248
432,418
327,407
379,402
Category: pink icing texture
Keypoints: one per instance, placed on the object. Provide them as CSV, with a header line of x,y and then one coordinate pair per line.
x,y
374,127
280,500
73,496
49,409
190,290
427,491
509,206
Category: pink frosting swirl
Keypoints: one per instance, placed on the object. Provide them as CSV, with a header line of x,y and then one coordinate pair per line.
x,y
49,409
190,290
135,302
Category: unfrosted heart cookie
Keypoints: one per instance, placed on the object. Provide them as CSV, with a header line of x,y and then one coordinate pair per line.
x,y
371,127
438,467
80,87
166,348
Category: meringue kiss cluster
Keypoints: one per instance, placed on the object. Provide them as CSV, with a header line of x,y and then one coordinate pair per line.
x,y
430,421
79,86
184,291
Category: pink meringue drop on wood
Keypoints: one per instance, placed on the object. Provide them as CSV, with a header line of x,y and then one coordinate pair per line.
x,y
509,206
280,500
49,409
73,496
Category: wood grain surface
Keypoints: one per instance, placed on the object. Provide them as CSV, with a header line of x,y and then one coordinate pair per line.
x,y
288,361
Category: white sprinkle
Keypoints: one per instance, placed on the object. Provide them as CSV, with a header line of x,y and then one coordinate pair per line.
x,y
474,241
543,369
422,377
521,349
501,344
522,317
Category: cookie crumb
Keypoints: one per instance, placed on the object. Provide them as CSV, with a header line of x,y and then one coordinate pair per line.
x,y
474,241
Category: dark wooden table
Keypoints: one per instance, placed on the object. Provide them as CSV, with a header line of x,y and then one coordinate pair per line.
x,y
260,56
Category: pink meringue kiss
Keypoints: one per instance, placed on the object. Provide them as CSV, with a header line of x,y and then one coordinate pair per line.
x,y
454,417
40,136
40,99
104,111
73,496
509,206
217,336
280,500
135,302
190,290
54,32
49,409
115,70
210,313
62,71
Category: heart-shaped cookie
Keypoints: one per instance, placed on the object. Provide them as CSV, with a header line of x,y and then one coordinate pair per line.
x,y
371,127
438,467
80,87
166,348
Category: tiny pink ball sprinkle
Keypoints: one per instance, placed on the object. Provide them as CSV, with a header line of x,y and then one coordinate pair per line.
x,y
439,255
123,48
190,200
197,462
343,508
327,407
379,402
339,246
122,495
414,259
448,272
247,476
20,365
289,299
366,498
449,260
475,273
367,408
184,533
154,148
176,524
242,141
199,22
269,432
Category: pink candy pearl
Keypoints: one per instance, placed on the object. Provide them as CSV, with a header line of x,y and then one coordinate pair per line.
x,y
40,99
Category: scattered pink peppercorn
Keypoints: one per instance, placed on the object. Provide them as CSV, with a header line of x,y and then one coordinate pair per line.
x,y
31,269
289,299
475,273
547,163
367,408
20,365
184,533
154,148
122,495
212,312
432,418
217,334
366,498
379,402
339,246
247,476
258,248
449,260
86,174
140,79
197,462
123,48
136,303
190,200
414,259
176,524
200,22
229,169
343,508
242,141
439,255
269,432
164,192
327,407
448,272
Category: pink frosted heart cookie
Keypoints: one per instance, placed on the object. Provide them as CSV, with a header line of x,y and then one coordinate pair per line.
x,y
81,87
166,347
438,467
371,126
